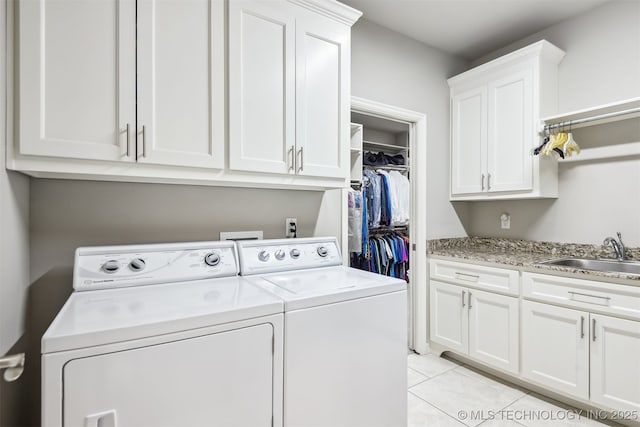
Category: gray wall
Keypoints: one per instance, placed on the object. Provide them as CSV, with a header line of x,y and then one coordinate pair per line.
x,y
68,214
391,68
597,198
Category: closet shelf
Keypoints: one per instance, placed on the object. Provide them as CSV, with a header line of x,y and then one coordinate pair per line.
x,y
399,168
601,114
382,145
373,230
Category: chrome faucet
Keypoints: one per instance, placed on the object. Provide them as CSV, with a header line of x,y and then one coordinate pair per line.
x,y
618,246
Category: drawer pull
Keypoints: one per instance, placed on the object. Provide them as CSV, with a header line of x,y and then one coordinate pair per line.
x,y
463,292
588,295
593,329
581,326
467,277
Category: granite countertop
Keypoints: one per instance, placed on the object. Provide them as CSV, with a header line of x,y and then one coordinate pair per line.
x,y
528,254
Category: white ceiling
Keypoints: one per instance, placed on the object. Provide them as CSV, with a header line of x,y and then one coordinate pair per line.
x,y
469,28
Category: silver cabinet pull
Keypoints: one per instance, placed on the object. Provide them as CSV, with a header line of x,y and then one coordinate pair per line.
x,y
467,277
488,181
301,167
463,292
144,141
290,156
128,132
593,329
13,365
469,301
482,182
581,326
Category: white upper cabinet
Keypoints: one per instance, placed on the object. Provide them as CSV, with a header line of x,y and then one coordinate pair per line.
x,y
289,103
323,101
495,119
131,90
262,86
181,83
77,79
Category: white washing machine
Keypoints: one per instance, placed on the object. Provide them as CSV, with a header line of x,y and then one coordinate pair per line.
x,y
196,345
345,334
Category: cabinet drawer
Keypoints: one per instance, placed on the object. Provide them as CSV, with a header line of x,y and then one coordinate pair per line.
x,y
478,276
583,294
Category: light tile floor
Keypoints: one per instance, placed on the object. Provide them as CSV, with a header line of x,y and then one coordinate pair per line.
x,y
444,393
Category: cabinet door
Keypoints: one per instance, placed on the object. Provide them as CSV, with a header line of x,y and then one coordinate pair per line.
x,y
322,96
555,348
181,82
468,141
449,317
77,71
511,134
493,329
261,86
223,379
615,362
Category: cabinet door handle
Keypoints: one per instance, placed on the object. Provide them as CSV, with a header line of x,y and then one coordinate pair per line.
x,y
469,300
488,181
127,133
581,326
144,141
482,182
593,330
301,168
463,292
290,156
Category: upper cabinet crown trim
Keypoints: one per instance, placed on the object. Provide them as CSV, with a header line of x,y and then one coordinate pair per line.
x,y
332,9
541,48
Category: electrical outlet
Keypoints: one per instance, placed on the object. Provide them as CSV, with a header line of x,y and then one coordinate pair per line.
x,y
505,221
291,227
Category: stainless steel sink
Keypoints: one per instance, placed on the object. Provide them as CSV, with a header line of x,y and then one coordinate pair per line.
x,y
628,267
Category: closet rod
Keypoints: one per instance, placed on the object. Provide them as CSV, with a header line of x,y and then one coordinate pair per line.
x,y
592,118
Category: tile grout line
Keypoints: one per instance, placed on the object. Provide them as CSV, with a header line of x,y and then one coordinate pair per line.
x,y
439,410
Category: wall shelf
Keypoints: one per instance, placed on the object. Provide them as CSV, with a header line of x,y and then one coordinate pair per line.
x,y
606,113
631,149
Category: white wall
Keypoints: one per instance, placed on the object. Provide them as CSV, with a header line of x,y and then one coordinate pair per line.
x,y
68,214
393,69
14,226
597,198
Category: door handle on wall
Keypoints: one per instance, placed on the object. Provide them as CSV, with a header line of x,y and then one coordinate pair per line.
x,y
13,366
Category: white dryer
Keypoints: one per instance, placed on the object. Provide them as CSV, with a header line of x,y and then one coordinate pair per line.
x,y
197,346
345,334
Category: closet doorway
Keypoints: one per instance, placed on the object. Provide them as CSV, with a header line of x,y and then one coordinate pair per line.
x,y
400,135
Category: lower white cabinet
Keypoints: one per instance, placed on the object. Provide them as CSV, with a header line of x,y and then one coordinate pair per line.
x,y
480,324
589,356
555,347
615,362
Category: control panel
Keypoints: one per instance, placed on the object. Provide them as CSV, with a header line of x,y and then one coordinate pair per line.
x,y
267,256
135,265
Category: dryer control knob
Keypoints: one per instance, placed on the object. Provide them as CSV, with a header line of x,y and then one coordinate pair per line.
x,y
322,251
111,266
263,256
212,259
295,253
280,254
137,264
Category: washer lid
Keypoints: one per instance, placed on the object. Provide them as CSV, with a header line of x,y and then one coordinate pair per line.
x,y
113,315
319,286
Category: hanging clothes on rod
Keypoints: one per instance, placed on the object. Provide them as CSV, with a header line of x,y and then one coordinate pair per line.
x,y
388,255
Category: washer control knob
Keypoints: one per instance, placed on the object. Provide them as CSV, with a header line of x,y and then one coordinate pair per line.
x,y
295,253
263,256
212,259
137,264
322,251
280,254
111,266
